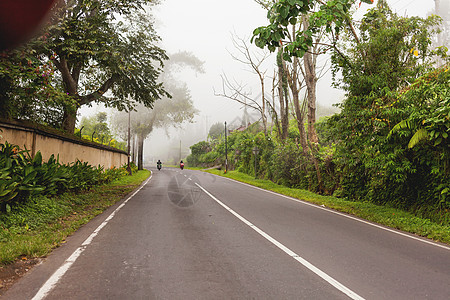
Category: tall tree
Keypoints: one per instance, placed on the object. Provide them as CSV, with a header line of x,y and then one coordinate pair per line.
x,y
281,84
283,94
95,53
390,52
290,25
166,112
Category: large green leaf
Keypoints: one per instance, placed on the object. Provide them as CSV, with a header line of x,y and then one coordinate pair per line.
x,y
404,124
37,160
419,136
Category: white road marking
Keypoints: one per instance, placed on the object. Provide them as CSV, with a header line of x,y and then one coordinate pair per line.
x,y
54,279
423,240
289,252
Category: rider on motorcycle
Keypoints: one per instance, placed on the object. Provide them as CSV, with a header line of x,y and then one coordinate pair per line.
x,y
181,165
159,164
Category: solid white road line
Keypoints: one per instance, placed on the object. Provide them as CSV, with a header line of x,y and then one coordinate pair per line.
x,y
54,279
423,240
289,252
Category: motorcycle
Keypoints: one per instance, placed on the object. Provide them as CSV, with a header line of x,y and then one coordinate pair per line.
x,y
181,166
159,165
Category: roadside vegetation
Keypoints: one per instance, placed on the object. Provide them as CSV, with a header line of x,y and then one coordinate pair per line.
x,y
95,129
373,172
44,202
387,148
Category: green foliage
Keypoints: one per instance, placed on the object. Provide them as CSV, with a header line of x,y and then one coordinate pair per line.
x,y
35,227
201,155
23,177
426,131
291,168
29,89
386,153
429,118
391,52
82,53
389,143
330,16
97,124
96,129
391,124
216,130
360,157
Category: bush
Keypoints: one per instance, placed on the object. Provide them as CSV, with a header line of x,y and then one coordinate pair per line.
x,y
394,149
22,177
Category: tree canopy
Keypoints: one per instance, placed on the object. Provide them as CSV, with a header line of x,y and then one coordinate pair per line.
x,y
94,47
329,16
166,112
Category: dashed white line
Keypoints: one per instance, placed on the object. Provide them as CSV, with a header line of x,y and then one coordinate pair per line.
x,y
59,273
289,252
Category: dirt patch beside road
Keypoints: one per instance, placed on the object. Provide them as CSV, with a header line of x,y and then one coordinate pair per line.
x,y
9,274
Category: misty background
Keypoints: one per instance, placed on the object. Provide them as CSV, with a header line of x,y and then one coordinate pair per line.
x,y
204,28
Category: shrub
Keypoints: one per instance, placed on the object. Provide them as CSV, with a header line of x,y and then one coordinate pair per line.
x,y
22,177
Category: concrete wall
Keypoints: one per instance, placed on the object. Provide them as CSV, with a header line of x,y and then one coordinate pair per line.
x,y
69,148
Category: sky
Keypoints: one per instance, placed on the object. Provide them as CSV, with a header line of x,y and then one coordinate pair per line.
x,y
204,27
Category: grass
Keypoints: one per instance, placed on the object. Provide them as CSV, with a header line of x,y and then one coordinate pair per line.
x,y
387,216
33,229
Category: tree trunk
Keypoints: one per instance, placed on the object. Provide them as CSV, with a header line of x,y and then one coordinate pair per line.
x,y
70,87
275,118
71,76
263,113
133,151
284,107
300,122
286,101
311,81
299,113
69,120
140,151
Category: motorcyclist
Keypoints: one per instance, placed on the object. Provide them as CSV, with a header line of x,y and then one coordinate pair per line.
x,y
181,165
159,164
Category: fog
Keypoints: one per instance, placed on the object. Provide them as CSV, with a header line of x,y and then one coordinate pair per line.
x,y
204,28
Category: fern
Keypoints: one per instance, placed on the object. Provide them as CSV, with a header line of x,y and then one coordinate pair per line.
x,y
404,124
420,135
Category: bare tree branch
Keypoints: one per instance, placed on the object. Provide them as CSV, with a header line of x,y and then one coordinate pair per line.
x,y
254,60
236,92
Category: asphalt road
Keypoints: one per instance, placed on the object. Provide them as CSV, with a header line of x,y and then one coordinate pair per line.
x,y
192,235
